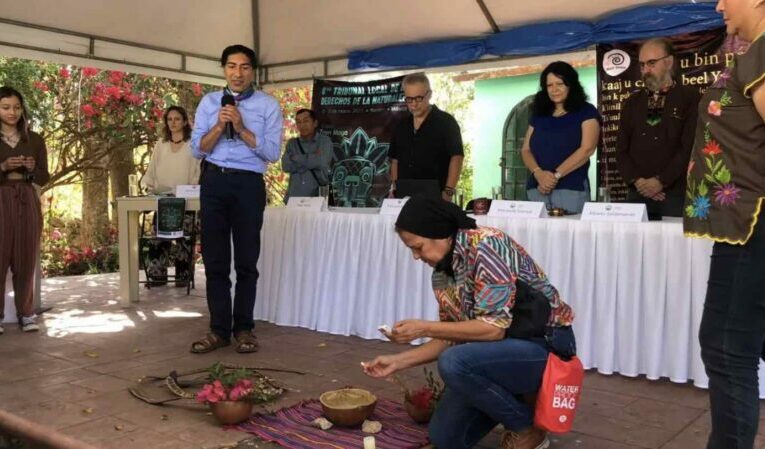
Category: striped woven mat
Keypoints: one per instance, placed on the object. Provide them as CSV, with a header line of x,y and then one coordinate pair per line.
x,y
290,427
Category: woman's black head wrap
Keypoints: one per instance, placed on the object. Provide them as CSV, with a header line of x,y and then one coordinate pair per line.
x,y
432,218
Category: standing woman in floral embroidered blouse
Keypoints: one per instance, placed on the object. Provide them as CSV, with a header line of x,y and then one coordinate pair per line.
x,y
726,188
499,317
23,161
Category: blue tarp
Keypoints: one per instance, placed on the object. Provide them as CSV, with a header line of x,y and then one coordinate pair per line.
x,y
540,38
546,38
441,53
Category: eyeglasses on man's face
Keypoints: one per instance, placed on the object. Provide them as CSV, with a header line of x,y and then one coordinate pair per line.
x,y
651,63
418,99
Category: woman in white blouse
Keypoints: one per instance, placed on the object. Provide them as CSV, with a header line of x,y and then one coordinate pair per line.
x,y
171,161
171,165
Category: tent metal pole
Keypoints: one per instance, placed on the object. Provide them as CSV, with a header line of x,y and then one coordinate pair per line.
x,y
487,14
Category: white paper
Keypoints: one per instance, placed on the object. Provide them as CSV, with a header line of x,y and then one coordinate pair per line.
x,y
307,203
517,209
187,191
617,212
392,206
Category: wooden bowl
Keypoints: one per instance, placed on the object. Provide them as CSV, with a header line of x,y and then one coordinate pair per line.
x,y
348,407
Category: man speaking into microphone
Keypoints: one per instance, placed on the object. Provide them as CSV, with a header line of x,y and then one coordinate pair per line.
x,y
237,133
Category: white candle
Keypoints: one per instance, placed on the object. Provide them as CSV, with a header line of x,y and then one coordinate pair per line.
x,y
369,443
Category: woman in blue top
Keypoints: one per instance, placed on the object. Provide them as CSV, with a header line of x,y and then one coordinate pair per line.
x,y
563,133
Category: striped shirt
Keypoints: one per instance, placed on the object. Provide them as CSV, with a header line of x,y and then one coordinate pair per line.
x,y
487,264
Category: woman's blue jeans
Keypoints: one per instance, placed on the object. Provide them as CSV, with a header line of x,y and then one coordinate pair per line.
x,y
485,384
732,337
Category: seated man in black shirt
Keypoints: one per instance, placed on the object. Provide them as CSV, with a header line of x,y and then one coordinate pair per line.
x,y
428,144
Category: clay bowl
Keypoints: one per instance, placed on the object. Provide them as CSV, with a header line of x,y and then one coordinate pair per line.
x,y
231,412
419,415
348,407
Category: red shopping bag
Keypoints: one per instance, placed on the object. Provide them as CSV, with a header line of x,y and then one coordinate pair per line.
x,y
559,394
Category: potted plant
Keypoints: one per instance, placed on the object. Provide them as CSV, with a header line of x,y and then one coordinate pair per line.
x,y
231,394
421,402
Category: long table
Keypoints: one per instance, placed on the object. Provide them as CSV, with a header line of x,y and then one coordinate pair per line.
x,y
637,288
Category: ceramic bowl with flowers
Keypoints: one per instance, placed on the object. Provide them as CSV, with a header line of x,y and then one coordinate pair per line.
x,y
231,394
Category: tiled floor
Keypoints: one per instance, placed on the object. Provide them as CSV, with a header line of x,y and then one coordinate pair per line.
x,y
73,376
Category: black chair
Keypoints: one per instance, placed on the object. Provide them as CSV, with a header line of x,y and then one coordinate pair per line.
x,y
148,237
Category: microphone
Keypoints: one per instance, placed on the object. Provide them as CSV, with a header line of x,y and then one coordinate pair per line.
x,y
225,101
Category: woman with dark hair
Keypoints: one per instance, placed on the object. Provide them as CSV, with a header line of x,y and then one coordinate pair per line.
x,y
23,162
563,133
499,317
171,165
171,161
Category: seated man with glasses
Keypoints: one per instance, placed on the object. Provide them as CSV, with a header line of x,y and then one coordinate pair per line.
x,y
426,146
656,133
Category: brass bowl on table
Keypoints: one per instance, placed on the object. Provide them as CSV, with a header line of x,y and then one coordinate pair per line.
x,y
557,212
348,407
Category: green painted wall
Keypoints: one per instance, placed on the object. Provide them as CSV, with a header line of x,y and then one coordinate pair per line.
x,y
494,99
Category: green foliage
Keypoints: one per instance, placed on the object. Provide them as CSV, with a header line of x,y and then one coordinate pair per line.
x,y
259,388
89,118
228,377
455,97
291,100
61,256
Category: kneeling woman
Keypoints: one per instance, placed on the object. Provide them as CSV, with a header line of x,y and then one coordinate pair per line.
x,y
499,318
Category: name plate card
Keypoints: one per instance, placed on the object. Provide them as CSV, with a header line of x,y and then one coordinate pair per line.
x,y
620,212
392,206
307,203
187,191
517,209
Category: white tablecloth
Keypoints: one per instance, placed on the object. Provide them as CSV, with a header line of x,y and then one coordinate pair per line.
x,y
637,289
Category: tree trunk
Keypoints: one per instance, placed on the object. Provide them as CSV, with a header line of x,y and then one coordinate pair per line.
x,y
120,166
95,200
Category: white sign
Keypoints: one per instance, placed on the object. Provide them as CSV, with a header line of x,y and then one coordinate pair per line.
x,y
517,209
187,191
624,212
616,62
392,206
307,203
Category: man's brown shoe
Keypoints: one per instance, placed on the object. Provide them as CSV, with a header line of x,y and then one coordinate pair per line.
x,y
530,438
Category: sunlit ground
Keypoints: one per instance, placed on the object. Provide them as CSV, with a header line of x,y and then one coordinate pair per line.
x,y
71,298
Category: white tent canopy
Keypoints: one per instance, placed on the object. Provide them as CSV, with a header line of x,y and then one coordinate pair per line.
x,y
295,39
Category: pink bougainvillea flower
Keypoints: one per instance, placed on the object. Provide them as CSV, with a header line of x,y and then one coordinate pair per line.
x,y
712,148
89,72
99,100
39,85
89,110
63,72
714,108
116,77
114,92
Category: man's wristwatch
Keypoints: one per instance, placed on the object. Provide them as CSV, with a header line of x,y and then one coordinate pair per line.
x,y
449,190
557,175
